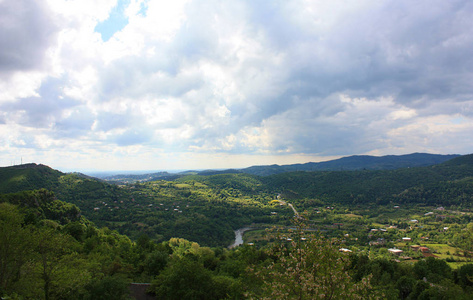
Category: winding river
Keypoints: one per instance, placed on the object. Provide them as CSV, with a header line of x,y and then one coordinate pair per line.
x,y
239,237
239,232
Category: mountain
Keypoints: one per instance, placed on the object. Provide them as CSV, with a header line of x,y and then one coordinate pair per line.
x,y
28,177
349,163
448,183
356,162
131,178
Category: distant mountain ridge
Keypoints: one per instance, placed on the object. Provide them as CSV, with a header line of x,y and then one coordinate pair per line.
x,y
356,162
348,163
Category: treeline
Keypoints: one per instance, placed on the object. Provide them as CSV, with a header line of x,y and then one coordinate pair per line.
x,y
45,258
449,183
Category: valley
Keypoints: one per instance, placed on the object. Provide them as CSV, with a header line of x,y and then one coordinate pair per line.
x,y
389,225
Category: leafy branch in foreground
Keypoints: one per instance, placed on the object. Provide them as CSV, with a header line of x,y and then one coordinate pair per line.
x,y
310,267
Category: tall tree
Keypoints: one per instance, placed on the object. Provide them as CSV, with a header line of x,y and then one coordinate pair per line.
x,y
50,247
14,244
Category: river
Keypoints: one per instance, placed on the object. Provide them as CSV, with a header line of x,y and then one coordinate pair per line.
x,y
239,237
239,232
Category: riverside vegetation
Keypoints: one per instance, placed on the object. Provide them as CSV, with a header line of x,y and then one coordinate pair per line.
x,y
69,236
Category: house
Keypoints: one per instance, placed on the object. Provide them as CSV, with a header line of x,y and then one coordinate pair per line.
x,y
406,239
379,241
395,251
345,250
429,213
424,249
414,221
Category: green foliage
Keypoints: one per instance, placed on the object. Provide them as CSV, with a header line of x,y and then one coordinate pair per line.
x,y
184,278
465,276
49,250
434,270
28,177
110,287
15,249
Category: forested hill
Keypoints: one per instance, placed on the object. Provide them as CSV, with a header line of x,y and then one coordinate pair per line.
x,y
49,249
207,209
449,183
28,177
350,163
356,162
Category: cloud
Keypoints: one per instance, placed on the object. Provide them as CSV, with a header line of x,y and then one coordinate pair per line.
x,y
299,78
26,31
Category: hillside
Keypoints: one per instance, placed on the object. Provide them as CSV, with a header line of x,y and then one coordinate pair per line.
x,y
449,183
208,208
161,209
28,177
356,162
46,242
350,163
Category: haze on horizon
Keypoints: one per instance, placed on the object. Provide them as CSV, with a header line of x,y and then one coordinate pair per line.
x,y
192,84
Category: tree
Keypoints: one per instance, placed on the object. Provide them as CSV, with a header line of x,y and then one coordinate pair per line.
x,y
434,270
465,276
184,278
405,285
311,269
109,287
14,244
50,247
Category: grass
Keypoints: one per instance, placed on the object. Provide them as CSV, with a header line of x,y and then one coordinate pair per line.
x,y
182,185
458,264
444,251
353,216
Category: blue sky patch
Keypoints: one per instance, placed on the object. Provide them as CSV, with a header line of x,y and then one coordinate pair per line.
x,y
143,8
116,21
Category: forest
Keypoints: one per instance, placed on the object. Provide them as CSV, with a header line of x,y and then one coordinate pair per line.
x,y
402,233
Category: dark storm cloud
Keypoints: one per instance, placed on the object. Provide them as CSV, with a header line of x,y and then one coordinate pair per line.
x,y
419,54
26,31
408,50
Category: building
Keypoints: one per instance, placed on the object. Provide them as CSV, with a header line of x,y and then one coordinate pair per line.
x,y
424,249
395,251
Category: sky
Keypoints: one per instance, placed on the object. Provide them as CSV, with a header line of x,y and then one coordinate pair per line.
x,y
201,84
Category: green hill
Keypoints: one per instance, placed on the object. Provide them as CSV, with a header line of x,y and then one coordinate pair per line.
x,y
356,162
28,177
446,183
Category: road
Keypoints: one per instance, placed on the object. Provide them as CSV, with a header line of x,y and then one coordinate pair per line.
x,y
296,214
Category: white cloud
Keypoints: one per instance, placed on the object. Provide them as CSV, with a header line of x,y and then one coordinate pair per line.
x,y
300,79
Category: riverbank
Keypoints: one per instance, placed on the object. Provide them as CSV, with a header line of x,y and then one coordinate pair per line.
x,y
239,237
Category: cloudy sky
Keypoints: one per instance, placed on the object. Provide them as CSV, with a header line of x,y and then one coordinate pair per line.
x,y
154,85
